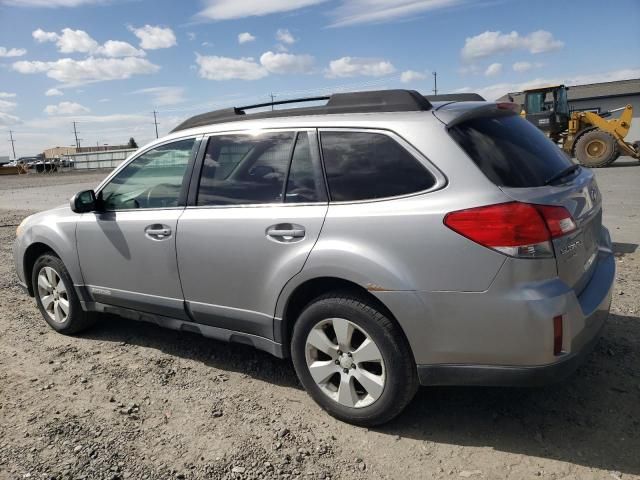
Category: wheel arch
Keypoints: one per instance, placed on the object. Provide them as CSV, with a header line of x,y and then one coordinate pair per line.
x,y
31,254
312,288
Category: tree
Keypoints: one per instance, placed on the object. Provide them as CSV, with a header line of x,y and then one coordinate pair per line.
x,y
132,143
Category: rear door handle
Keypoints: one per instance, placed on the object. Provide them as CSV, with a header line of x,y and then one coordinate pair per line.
x,y
286,232
157,232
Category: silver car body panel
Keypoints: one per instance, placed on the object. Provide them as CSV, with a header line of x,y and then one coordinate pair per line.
x,y
461,306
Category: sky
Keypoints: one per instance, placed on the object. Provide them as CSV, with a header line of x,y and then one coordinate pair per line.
x,y
108,64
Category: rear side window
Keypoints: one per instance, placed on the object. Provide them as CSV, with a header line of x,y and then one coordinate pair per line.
x,y
366,166
510,151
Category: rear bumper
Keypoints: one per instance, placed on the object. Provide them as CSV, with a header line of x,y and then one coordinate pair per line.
x,y
584,321
506,376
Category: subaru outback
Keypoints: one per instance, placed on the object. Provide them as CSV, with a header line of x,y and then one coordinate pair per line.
x,y
382,241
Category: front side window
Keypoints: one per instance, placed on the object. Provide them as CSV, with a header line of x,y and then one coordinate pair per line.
x,y
152,180
366,166
244,169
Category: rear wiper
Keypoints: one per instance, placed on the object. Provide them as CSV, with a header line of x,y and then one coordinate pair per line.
x,y
562,173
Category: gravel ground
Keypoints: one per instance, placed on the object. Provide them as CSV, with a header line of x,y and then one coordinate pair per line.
x,y
130,400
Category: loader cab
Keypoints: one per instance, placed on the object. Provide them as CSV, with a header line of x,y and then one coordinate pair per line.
x,y
547,108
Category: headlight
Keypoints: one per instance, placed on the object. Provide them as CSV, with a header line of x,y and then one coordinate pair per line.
x,y
20,228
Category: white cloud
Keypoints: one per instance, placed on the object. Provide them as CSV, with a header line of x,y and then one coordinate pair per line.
x,y
490,43
66,108
7,95
287,62
355,66
116,48
164,95
230,9
154,37
53,92
356,12
492,92
245,37
12,52
191,36
521,67
225,68
70,41
493,70
77,72
51,3
41,36
409,76
6,119
283,35
6,105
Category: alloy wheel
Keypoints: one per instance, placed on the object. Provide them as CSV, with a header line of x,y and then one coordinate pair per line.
x,y
53,295
345,362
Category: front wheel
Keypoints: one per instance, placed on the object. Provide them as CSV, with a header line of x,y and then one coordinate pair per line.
x,y
353,360
56,297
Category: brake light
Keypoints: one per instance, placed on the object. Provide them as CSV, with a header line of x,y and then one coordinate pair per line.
x,y
516,229
514,107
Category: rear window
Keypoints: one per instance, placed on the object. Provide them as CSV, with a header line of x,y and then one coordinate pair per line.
x,y
510,151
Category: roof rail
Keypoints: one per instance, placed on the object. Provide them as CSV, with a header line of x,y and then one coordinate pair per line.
x,y
354,102
455,97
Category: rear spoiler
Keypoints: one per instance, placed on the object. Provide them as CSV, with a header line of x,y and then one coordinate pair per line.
x,y
455,97
485,110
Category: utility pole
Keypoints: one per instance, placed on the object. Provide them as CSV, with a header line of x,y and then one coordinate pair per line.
x,y
155,121
435,83
75,132
13,144
272,99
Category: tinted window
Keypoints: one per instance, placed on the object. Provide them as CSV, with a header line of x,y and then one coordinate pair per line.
x,y
510,151
152,180
361,166
245,169
305,182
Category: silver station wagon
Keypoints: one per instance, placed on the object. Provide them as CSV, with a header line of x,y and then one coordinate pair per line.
x,y
381,240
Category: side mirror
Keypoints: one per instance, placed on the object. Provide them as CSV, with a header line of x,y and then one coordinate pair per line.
x,y
83,202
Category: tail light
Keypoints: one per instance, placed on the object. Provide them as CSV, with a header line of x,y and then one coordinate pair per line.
x,y
516,229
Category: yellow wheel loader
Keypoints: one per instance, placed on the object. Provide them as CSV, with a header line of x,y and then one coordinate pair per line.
x,y
588,136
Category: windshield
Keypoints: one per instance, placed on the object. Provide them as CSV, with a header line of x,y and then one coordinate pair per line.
x,y
535,102
510,151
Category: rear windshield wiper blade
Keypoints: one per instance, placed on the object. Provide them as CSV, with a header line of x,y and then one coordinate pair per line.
x,y
562,173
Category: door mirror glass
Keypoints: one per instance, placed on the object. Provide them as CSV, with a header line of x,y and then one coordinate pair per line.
x,y
83,202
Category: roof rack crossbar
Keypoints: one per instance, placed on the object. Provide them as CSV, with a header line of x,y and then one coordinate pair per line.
x,y
283,102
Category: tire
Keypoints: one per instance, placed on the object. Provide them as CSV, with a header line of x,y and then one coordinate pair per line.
x,y
395,379
57,283
596,149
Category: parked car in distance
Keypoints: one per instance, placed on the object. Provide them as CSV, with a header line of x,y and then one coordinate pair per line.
x,y
382,241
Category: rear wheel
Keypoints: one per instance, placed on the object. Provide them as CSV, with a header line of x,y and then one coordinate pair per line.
x,y
56,296
596,149
353,360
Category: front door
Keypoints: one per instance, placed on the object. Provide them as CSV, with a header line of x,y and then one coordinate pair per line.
x,y
127,250
257,214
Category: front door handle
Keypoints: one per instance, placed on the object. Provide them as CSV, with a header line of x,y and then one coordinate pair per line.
x,y
286,232
157,232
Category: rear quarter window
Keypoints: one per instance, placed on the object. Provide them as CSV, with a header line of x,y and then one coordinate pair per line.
x,y
510,151
367,166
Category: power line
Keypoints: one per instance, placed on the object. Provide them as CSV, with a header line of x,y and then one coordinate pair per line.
x,y
272,98
435,83
13,143
155,121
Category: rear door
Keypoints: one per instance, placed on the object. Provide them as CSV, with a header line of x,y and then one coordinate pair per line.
x,y
254,214
525,164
